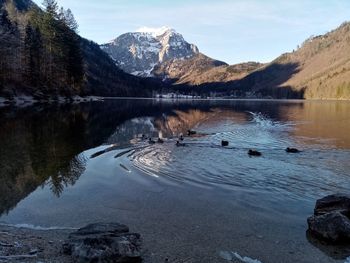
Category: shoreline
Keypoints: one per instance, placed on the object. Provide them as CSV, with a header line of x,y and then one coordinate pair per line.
x,y
29,245
26,101
20,243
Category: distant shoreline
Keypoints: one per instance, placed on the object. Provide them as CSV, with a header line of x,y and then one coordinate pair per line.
x,y
26,101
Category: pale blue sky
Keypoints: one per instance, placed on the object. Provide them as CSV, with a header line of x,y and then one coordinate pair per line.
x,y
230,30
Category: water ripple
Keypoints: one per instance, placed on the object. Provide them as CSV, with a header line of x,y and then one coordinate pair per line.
x,y
203,162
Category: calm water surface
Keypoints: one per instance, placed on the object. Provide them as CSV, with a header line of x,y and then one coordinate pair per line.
x,y
66,166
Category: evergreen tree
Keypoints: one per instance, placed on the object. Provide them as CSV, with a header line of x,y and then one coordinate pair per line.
x,y
75,65
51,8
48,28
9,49
5,21
71,49
70,20
33,49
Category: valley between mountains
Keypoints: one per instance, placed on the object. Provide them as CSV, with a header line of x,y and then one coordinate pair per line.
x,y
43,56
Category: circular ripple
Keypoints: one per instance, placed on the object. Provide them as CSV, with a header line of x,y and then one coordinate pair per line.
x,y
203,162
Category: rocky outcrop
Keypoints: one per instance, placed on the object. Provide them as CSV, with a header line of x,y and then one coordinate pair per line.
x,y
331,221
104,242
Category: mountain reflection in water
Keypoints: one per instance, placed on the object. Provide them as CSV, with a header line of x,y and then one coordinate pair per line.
x,y
44,146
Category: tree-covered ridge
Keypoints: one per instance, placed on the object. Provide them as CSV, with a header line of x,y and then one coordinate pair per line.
x,y
40,49
42,55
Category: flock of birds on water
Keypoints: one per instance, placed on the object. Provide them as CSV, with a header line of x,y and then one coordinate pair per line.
x,y
224,143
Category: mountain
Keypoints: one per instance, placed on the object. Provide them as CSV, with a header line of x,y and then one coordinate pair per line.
x,y
42,55
318,69
200,70
165,54
139,52
104,78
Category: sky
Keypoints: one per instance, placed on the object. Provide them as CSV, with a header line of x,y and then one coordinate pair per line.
x,y
233,31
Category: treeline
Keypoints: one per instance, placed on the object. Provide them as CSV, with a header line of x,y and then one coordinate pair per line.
x,y
42,55
40,49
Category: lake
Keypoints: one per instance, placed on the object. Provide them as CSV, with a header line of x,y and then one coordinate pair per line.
x,y
70,165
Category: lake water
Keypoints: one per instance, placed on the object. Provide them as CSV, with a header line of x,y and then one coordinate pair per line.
x,y
69,165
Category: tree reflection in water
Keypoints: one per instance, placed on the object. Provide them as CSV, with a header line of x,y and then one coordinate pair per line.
x,y
68,175
44,145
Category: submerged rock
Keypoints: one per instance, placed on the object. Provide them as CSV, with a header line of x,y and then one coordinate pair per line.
x,y
331,221
104,242
335,251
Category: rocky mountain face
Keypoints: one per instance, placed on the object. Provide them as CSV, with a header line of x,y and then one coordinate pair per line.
x,y
165,54
139,52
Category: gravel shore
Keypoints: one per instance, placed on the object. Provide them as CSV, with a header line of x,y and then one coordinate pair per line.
x,y
28,245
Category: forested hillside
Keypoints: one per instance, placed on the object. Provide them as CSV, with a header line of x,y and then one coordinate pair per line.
x,y
42,54
318,69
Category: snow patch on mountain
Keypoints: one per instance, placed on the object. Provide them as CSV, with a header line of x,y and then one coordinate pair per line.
x,y
155,32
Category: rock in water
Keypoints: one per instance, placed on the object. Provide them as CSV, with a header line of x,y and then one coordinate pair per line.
x,y
330,221
331,203
104,242
334,227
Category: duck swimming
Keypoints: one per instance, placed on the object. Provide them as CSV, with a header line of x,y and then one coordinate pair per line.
x,y
224,143
178,144
190,132
160,140
151,141
292,150
254,153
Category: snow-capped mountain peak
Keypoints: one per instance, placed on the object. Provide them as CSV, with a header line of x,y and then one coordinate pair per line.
x,y
155,32
139,52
